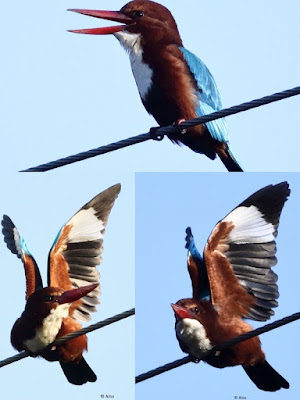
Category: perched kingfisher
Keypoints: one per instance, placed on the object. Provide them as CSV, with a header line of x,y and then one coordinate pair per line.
x,y
173,83
73,290
234,281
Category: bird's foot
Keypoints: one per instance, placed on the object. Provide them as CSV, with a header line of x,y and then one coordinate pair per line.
x,y
177,124
154,135
195,359
31,354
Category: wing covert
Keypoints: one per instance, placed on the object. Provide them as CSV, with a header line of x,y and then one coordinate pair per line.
x,y
207,94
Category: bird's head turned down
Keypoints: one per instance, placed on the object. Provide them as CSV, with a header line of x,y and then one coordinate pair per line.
x,y
193,309
152,21
44,300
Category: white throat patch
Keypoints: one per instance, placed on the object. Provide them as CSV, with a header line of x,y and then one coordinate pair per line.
x,y
193,335
141,71
47,333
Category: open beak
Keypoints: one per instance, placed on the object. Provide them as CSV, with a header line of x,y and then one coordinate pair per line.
x,y
116,16
75,294
182,312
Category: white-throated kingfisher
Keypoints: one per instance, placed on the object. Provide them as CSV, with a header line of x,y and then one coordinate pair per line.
x,y
73,287
234,281
173,83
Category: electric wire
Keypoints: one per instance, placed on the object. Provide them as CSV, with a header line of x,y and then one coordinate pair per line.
x,y
160,132
73,335
221,346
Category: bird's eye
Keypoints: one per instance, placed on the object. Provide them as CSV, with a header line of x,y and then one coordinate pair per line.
x,y
196,309
49,298
137,14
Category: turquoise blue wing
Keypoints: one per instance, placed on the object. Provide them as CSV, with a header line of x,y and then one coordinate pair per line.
x,y
208,95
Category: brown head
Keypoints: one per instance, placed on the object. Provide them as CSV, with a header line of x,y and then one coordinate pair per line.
x,y
151,20
41,302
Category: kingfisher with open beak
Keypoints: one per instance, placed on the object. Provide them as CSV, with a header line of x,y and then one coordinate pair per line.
x,y
73,288
234,281
174,85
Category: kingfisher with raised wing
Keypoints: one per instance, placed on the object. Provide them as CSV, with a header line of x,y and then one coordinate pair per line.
x,y
174,84
73,287
234,281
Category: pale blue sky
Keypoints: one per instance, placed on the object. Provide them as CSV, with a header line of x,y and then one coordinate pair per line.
x,y
63,93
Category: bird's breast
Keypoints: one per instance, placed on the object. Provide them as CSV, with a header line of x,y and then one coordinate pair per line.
x,y
142,72
192,333
47,332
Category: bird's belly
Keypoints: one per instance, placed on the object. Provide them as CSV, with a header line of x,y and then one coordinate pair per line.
x,y
192,333
47,333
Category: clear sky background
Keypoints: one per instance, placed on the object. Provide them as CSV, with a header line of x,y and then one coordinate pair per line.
x,y
165,205
63,93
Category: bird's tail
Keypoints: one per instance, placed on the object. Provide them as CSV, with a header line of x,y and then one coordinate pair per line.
x,y
265,377
78,373
229,160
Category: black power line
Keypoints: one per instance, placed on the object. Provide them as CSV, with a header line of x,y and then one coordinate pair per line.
x,y
159,133
221,346
73,335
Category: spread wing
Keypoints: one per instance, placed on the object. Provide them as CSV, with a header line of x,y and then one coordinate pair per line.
x,y
16,245
208,95
76,251
196,268
240,253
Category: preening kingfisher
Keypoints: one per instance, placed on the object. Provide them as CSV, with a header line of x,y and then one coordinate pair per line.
x,y
234,281
73,287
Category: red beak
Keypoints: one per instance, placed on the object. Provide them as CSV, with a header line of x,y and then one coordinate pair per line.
x,y
72,295
182,312
116,16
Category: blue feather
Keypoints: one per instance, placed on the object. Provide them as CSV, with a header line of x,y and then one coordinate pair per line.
x,y
190,245
193,251
24,246
207,94
57,237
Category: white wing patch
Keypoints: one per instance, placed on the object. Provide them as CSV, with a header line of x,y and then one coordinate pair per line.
x,y
86,227
141,71
250,226
17,242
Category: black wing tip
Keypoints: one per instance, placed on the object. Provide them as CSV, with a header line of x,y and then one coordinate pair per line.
x,y
108,196
6,221
188,231
188,237
269,200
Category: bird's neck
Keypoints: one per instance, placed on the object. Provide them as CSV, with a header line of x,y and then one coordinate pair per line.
x,y
142,71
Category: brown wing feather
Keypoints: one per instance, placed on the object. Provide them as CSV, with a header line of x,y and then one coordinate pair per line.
x,y
16,245
226,291
194,275
33,278
59,273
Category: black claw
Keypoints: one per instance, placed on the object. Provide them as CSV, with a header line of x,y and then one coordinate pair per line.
x,y
195,359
